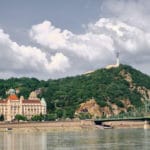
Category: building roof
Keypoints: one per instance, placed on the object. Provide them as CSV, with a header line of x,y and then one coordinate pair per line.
x,y
13,97
3,101
24,101
31,101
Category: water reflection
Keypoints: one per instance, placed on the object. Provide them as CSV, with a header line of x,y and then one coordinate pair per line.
x,y
124,139
23,141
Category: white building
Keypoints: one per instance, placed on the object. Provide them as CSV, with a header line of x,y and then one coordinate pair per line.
x,y
13,105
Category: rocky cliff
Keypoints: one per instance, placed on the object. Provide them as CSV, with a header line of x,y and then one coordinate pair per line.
x,y
96,111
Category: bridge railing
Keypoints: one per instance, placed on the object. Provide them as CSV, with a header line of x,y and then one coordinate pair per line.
x,y
140,112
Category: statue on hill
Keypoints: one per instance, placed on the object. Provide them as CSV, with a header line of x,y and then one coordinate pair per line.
x,y
117,62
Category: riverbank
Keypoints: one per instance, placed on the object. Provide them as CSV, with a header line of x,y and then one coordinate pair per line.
x,y
47,126
67,125
127,124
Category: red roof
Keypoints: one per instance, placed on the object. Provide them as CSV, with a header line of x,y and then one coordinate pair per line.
x,y
3,101
31,101
13,97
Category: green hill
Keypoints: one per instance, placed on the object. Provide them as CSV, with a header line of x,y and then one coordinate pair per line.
x,y
106,86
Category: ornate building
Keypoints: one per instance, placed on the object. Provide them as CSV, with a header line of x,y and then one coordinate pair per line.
x,y
13,105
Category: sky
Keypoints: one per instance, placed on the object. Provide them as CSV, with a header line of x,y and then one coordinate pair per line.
x,y
50,39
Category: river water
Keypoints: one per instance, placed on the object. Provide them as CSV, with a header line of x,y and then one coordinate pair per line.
x,y
108,139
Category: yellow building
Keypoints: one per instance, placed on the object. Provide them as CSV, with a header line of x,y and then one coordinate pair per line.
x,y
28,107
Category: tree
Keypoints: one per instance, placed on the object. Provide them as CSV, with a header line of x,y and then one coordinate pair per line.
x,y
20,117
38,117
50,117
59,113
1,117
70,113
85,115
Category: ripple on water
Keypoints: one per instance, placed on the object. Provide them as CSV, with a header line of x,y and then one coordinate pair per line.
x,y
114,139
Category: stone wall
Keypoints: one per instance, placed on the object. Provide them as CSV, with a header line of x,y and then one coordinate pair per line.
x,y
125,124
47,125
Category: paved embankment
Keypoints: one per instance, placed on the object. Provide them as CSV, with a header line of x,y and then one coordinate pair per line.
x,y
46,126
125,124
68,125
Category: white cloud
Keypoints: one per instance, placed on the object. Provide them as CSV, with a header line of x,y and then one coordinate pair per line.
x,y
88,46
133,12
50,36
103,37
129,38
20,59
99,42
58,63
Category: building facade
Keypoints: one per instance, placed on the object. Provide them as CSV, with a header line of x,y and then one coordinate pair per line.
x,y
13,105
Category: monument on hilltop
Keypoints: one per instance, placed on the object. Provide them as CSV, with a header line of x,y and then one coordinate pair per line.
x,y
117,62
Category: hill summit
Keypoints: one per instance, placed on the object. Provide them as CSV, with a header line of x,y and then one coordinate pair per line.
x,y
119,90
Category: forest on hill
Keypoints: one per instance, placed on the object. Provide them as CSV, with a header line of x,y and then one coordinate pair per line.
x,y
64,96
